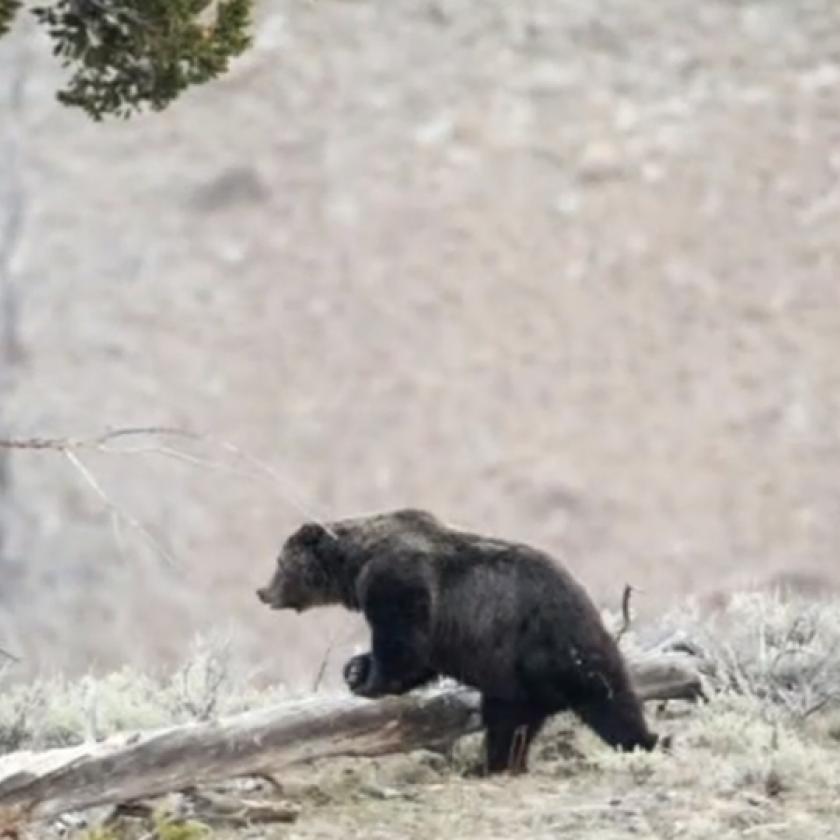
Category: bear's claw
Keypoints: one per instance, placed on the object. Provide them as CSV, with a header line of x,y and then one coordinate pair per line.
x,y
356,672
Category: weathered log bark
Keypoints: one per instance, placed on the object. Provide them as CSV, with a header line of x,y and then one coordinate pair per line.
x,y
49,783
43,785
667,676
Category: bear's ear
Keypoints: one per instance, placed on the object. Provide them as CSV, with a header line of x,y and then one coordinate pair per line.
x,y
311,534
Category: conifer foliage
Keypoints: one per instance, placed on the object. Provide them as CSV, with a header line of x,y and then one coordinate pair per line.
x,y
7,12
125,56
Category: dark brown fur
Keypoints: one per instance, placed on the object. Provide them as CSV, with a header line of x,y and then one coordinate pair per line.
x,y
499,616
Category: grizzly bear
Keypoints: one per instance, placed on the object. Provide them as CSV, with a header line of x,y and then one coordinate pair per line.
x,y
499,616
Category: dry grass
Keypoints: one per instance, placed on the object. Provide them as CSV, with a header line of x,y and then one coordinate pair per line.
x,y
782,651
61,711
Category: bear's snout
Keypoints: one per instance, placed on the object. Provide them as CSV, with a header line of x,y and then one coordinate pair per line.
x,y
263,595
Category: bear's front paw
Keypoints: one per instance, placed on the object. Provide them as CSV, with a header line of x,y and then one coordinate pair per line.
x,y
356,671
362,675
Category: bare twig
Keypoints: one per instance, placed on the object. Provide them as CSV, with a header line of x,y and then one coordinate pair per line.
x,y
100,443
62,444
213,675
323,666
818,705
70,447
626,619
116,510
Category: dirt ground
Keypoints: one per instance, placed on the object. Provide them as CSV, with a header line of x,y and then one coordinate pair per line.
x,y
561,271
725,777
543,806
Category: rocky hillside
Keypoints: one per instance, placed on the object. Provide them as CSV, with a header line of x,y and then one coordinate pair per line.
x,y
561,271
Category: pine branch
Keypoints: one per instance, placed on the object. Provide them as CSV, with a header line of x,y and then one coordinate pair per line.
x,y
126,56
8,9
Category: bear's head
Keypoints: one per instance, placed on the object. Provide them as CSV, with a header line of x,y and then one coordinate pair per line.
x,y
311,571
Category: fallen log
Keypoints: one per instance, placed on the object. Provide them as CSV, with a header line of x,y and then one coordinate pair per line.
x,y
668,676
42,785
261,742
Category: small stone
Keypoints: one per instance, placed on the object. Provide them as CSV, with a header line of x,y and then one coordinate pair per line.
x,y
653,172
600,161
773,784
568,203
436,131
820,79
379,792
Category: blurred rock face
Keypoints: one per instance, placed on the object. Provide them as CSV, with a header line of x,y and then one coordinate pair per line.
x,y
566,274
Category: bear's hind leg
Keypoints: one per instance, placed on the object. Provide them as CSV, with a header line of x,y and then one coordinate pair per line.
x,y
511,727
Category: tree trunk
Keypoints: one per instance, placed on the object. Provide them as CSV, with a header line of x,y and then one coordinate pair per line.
x,y
13,205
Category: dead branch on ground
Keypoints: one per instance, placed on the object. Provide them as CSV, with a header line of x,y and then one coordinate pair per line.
x,y
262,742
